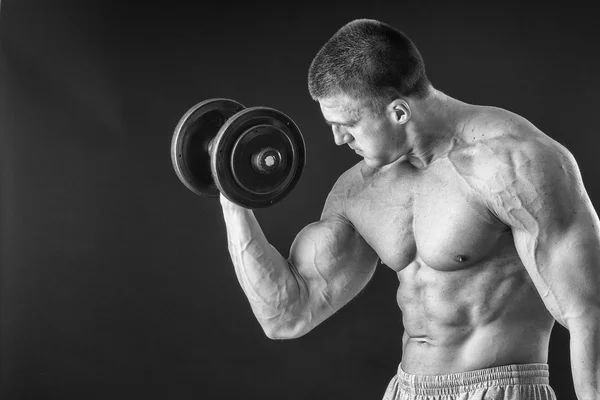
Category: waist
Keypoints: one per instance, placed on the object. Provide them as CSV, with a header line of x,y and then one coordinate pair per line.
x,y
437,385
451,350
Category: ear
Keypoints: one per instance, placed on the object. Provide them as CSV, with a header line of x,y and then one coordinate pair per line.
x,y
400,110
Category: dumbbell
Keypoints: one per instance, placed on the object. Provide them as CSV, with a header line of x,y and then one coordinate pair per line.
x,y
253,156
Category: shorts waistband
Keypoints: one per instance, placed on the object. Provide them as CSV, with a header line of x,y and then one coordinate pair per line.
x,y
514,374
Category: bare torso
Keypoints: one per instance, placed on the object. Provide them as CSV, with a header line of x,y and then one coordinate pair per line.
x,y
467,302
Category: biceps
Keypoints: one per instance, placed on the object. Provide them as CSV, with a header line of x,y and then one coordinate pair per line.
x,y
565,268
333,262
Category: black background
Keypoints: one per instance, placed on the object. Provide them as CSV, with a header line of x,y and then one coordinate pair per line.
x,y
115,279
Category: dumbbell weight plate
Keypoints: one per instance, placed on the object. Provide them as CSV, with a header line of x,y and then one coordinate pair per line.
x,y
190,143
257,157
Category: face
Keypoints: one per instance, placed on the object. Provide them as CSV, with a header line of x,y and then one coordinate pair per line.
x,y
378,138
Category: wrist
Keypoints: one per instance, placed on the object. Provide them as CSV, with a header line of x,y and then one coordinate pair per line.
x,y
229,206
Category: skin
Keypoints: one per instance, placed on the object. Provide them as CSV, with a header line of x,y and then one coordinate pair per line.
x,y
484,219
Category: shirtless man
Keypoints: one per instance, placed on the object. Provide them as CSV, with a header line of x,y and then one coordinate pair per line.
x,y
483,217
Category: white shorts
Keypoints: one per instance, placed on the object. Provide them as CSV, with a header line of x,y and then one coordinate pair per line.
x,y
507,382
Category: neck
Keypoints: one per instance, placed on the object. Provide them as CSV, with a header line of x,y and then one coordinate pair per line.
x,y
433,128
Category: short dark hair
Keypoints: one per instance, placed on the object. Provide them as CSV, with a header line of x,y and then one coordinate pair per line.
x,y
370,61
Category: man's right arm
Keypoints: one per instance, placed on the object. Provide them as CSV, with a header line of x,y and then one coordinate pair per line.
x,y
329,264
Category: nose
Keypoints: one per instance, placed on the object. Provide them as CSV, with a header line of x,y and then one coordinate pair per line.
x,y
339,136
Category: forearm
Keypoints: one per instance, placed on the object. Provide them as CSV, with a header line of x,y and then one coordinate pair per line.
x,y
585,356
270,283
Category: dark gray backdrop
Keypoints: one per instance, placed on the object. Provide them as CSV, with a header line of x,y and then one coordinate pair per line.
x,y
115,279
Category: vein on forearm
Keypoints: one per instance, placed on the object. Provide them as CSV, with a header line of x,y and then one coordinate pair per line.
x,y
269,283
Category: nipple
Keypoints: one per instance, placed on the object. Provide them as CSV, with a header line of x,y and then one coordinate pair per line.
x,y
461,258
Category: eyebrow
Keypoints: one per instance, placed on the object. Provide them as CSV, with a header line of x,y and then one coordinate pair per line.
x,y
349,122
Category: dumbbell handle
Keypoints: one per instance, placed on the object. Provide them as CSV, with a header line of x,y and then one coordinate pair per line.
x,y
265,161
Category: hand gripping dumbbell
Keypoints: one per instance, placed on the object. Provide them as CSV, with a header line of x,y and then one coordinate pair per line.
x,y
253,156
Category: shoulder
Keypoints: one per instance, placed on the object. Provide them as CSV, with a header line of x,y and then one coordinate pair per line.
x,y
345,187
498,146
517,169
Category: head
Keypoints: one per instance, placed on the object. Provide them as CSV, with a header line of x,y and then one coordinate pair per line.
x,y
362,78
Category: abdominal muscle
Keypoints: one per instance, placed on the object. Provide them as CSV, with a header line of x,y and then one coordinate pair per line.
x,y
482,316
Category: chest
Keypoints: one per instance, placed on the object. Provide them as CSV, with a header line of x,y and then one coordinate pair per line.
x,y
433,216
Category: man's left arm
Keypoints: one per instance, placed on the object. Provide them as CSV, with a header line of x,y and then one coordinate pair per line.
x,y
538,191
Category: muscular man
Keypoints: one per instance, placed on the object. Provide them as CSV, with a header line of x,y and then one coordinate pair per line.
x,y
483,217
